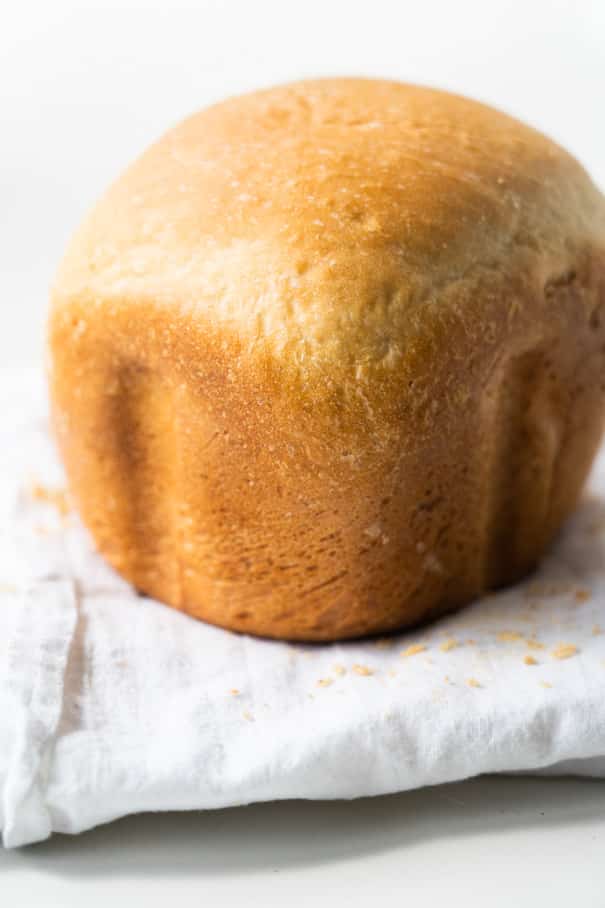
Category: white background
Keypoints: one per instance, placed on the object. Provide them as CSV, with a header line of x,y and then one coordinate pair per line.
x,y
83,89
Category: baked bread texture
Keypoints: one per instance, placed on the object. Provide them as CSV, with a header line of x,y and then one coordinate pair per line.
x,y
328,359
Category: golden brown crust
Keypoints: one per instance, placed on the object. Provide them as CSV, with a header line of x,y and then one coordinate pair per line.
x,y
328,358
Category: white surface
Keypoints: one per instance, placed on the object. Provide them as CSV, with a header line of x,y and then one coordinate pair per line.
x,y
111,704
489,843
83,90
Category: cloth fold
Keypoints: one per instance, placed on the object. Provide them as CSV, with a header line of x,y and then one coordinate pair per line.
x,y
111,703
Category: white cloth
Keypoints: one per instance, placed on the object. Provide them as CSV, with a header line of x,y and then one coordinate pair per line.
x,y
112,704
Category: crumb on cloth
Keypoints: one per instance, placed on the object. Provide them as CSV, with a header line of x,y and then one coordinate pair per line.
x,y
543,590
58,498
362,670
383,643
509,636
565,651
413,650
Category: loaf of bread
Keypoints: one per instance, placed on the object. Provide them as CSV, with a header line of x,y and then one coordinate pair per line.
x,y
328,359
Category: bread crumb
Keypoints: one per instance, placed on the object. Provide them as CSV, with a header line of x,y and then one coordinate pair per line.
x,y
325,682
509,636
58,498
339,670
545,684
597,629
383,643
529,660
234,692
413,650
447,645
472,682
564,651
248,716
392,673
471,642
534,644
362,670
582,595
546,590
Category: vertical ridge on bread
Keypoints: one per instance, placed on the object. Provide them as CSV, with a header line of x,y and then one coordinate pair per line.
x,y
328,358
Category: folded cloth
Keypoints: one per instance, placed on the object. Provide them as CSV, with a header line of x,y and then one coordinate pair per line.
x,y
111,703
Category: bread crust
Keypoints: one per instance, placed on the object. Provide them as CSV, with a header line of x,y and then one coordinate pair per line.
x,y
328,359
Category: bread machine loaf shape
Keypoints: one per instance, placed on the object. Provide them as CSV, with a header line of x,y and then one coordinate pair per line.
x,y
328,359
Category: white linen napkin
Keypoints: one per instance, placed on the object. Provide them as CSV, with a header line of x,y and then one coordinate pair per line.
x,y
111,703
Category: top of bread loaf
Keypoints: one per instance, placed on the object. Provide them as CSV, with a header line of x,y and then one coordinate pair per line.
x,y
318,220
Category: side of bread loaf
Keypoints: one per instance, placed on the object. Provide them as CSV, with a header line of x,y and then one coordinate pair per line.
x,y
329,359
